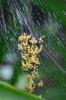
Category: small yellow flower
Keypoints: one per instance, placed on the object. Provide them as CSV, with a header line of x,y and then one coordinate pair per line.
x,y
30,87
24,37
40,84
33,40
41,39
26,65
35,73
30,78
40,49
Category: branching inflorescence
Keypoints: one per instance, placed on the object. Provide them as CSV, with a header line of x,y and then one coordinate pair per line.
x,y
29,59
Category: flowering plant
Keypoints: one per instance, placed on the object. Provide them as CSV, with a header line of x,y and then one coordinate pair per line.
x,y
29,59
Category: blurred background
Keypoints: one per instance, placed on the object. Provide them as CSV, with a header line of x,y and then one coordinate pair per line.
x,y
37,17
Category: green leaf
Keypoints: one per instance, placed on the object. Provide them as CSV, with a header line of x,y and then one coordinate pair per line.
x,y
8,92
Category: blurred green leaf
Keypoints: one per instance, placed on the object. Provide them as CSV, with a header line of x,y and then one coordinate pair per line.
x,y
56,7
55,94
8,92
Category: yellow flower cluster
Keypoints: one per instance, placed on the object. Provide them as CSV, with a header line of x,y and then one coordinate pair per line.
x,y
29,51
